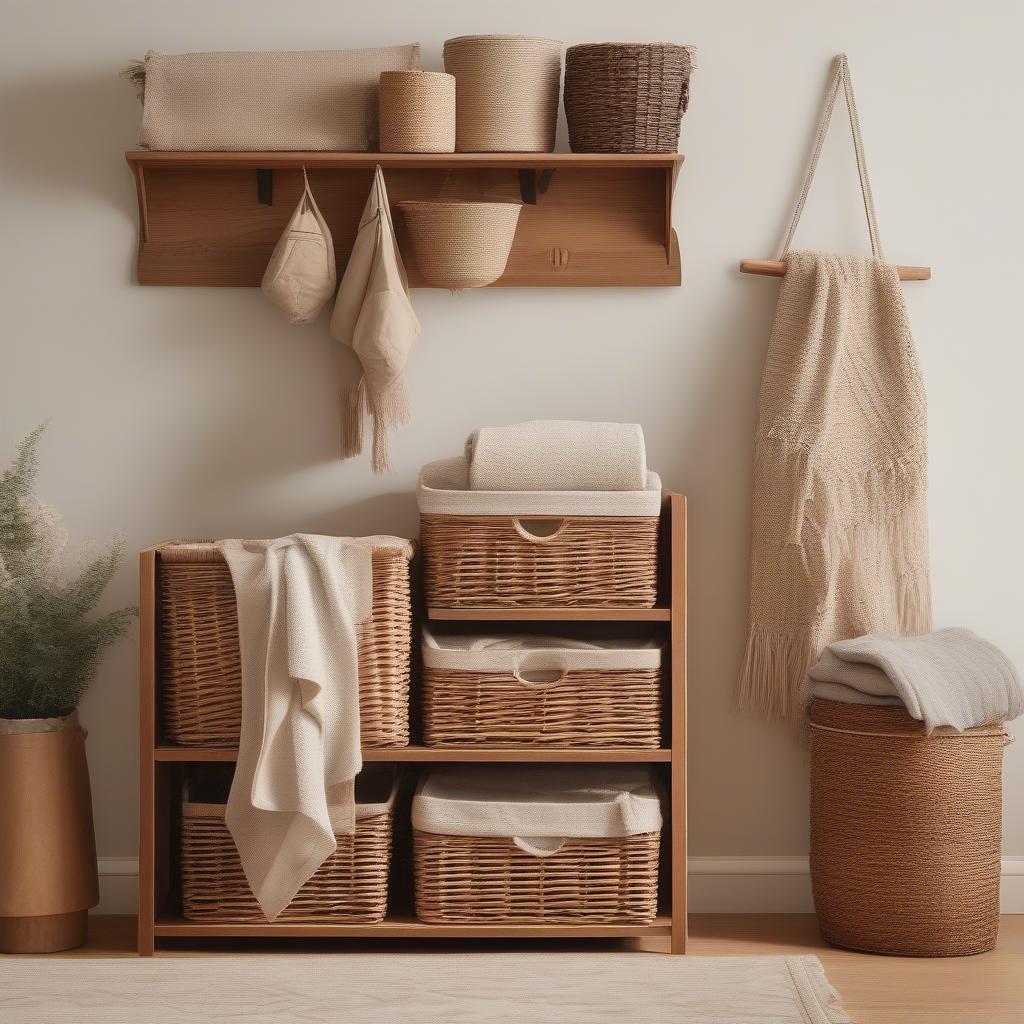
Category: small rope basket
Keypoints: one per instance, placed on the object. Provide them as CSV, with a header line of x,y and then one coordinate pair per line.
x,y
460,244
905,831
417,112
626,97
506,93
200,661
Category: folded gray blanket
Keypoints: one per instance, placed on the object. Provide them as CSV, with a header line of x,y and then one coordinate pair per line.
x,y
951,677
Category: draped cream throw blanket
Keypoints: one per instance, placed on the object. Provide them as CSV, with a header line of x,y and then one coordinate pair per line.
x,y
300,599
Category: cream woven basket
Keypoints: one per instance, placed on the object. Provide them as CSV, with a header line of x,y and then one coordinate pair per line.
x,y
200,663
523,549
460,244
506,92
537,691
417,112
350,886
905,831
533,845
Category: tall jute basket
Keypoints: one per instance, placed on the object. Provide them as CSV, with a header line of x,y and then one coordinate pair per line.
x,y
905,832
417,112
506,92
626,97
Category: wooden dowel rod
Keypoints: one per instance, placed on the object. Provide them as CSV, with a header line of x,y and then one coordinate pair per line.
x,y
777,268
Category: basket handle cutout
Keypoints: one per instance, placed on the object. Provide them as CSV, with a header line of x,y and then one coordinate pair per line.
x,y
539,846
538,678
540,531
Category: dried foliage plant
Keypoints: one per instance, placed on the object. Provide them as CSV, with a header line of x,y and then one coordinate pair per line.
x,y
50,642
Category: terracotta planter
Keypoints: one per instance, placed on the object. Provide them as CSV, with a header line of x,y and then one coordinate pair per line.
x,y
48,876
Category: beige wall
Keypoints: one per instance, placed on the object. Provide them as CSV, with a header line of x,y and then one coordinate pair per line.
x,y
177,412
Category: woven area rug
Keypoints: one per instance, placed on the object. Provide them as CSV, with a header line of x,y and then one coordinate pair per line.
x,y
525,988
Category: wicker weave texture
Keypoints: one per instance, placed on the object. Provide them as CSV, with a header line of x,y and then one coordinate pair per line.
x,y
506,92
582,708
350,886
200,666
463,244
478,880
493,562
905,832
626,97
417,112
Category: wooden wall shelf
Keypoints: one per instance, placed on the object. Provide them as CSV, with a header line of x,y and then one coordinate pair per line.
x,y
588,219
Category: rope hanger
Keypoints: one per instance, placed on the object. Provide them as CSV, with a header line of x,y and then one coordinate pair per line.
x,y
777,267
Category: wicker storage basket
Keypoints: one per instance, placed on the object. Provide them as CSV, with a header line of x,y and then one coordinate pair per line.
x,y
535,549
905,832
540,691
350,886
417,112
461,244
500,879
199,659
506,92
626,97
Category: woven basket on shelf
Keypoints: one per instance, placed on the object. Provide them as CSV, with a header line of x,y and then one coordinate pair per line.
x,y
200,664
460,244
905,832
497,562
489,880
417,112
506,92
626,97
351,886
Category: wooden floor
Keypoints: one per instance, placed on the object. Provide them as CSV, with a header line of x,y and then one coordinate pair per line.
x,y
986,989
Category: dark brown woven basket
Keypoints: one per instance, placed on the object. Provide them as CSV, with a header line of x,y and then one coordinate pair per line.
x,y
200,663
489,880
905,832
626,97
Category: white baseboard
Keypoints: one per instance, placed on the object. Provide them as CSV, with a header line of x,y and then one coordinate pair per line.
x,y
717,885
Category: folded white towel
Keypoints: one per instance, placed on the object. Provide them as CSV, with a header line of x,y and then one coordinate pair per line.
x,y
951,677
558,455
300,599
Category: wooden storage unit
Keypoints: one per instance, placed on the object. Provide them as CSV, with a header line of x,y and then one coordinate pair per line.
x,y
587,219
162,766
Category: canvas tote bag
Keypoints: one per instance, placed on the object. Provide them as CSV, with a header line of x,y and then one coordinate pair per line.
x,y
839,525
301,275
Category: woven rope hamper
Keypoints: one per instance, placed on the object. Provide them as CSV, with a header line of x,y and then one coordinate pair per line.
x,y
460,244
417,112
905,832
542,693
626,97
506,92
351,886
200,662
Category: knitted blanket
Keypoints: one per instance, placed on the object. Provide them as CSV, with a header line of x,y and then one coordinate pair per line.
x,y
839,538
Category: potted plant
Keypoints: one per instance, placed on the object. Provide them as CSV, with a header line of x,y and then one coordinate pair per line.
x,y
50,644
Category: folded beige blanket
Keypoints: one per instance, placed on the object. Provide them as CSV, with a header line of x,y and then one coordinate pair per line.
x,y
558,455
951,677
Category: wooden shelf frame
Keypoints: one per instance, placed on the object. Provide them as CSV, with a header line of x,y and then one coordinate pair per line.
x,y
161,765
588,219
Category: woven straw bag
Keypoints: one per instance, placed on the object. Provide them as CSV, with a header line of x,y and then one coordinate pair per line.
x,y
506,92
460,245
905,831
417,112
626,97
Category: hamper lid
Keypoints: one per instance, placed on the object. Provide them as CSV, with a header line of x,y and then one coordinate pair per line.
x,y
530,801
522,654
443,489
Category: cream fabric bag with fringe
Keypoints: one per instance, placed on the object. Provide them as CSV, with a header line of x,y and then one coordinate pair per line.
x,y
373,317
840,530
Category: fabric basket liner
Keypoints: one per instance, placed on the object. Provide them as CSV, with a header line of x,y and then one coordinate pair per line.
x,y
514,654
206,550
584,801
443,489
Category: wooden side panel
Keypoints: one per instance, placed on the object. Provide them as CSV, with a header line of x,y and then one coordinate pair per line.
x,y
147,751
678,635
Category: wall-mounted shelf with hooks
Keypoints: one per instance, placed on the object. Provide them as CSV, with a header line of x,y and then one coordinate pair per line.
x,y
589,219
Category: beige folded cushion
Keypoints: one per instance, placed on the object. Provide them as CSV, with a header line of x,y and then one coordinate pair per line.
x,y
303,100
